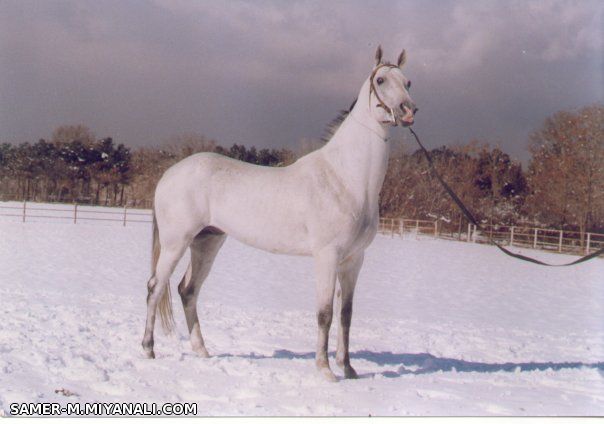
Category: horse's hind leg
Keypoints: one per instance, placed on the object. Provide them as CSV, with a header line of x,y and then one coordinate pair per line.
x,y
348,273
204,248
169,255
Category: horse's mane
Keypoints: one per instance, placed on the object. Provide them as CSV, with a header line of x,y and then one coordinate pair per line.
x,y
333,126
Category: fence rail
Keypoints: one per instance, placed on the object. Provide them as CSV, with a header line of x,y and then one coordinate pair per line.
x,y
76,212
550,239
399,226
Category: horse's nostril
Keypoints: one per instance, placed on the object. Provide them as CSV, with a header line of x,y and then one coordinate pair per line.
x,y
405,108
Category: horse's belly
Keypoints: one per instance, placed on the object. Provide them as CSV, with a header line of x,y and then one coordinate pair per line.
x,y
260,227
272,240
275,247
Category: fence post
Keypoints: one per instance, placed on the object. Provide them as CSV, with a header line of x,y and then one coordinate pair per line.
x,y
125,211
469,232
535,239
416,226
512,236
560,242
587,243
75,213
24,208
436,229
402,226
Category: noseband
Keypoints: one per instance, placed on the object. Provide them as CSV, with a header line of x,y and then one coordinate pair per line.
x,y
372,90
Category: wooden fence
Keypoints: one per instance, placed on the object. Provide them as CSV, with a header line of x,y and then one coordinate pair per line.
x,y
76,213
539,238
520,236
399,226
550,239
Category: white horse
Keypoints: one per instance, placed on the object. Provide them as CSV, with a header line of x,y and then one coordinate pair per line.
x,y
324,205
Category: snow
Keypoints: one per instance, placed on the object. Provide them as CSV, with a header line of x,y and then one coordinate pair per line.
x,y
439,328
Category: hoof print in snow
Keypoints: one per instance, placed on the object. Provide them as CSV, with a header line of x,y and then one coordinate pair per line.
x,y
66,392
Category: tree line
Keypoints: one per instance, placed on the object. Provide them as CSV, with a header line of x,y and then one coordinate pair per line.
x,y
73,167
563,185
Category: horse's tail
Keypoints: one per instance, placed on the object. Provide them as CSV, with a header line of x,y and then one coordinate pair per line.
x,y
165,303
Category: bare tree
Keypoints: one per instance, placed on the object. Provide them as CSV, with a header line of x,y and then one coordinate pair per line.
x,y
566,172
69,133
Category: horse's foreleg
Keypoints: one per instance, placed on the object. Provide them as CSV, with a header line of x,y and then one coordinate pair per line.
x,y
168,258
348,273
326,265
203,252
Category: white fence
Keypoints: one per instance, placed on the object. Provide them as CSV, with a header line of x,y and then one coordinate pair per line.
x,y
27,211
550,239
521,236
399,226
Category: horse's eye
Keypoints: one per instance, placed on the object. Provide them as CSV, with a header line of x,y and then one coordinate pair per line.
x,y
380,80
408,85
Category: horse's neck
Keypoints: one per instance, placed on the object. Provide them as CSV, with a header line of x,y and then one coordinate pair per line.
x,y
358,153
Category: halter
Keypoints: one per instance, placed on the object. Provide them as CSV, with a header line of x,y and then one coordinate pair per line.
x,y
381,103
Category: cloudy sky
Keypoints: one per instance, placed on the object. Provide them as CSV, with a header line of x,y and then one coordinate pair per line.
x,y
270,73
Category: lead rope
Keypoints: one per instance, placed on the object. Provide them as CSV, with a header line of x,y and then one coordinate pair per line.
x,y
473,220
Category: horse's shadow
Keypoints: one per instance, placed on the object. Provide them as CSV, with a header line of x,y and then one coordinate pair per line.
x,y
425,363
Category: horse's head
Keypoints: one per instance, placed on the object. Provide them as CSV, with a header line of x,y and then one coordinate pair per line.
x,y
389,99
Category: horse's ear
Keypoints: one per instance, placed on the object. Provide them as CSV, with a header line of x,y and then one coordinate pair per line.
x,y
402,58
378,55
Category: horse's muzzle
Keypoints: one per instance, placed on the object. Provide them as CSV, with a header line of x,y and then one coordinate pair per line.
x,y
408,117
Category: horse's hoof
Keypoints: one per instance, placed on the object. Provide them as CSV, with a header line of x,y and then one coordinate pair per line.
x,y
202,352
349,372
328,375
149,354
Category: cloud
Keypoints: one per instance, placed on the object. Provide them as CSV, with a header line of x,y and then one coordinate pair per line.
x,y
271,73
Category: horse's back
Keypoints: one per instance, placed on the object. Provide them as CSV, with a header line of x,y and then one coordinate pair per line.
x,y
258,205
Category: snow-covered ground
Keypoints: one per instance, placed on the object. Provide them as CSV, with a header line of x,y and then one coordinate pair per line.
x,y
439,328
